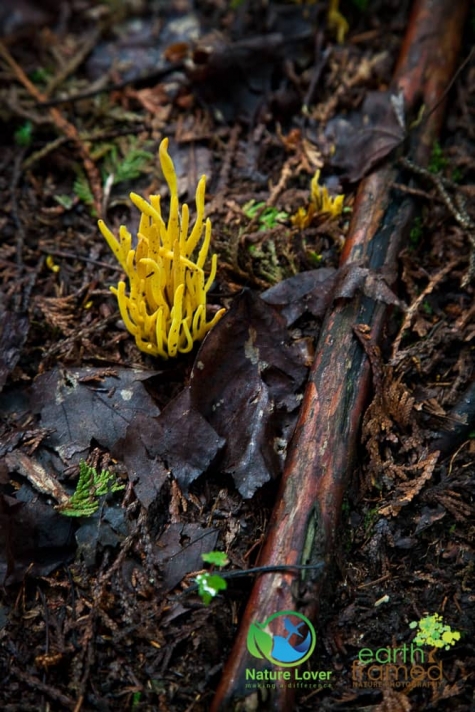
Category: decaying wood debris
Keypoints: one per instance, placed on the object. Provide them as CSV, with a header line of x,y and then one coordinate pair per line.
x,y
304,525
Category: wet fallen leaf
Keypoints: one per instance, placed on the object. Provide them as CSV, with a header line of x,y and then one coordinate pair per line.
x,y
179,551
106,528
34,538
86,403
245,382
178,441
304,292
354,278
365,137
236,415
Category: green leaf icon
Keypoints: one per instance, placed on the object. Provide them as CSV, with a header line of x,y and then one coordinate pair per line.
x,y
259,643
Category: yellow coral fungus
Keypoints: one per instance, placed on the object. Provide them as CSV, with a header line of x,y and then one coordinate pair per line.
x,y
336,22
165,309
320,202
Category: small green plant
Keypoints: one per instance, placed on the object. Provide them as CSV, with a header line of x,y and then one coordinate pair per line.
x,y
209,584
40,75
66,201
370,518
437,159
82,189
432,631
127,167
315,257
427,308
457,175
91,485
415,234
24,134
119,164
136,697
269,217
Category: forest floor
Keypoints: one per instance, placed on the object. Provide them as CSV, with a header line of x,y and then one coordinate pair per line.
x,y
100,611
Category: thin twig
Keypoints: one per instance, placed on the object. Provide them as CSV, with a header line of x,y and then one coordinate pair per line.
x,y
75,61
413,308
455,206
63,125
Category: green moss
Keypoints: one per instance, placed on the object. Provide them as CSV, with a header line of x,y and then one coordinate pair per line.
x,y
24,134
415,235
437,160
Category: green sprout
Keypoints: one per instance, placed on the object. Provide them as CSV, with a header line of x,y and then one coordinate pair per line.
x,y
315,257
91,485
416,232
129,166
457,175
40,75
24,134
269,218
426,308
118,164
432,631
66,201
136,697
82,189
209,584
437,159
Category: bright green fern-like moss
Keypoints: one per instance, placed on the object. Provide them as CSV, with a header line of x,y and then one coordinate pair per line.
x,y
91,485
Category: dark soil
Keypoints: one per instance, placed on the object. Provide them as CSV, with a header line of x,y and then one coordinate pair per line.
x,y
101,612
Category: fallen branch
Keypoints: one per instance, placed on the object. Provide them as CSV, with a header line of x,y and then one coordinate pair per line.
x,y
304,524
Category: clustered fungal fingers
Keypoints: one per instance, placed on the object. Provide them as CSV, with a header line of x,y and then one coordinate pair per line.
x,y
197,231
165,308
185,219
321,202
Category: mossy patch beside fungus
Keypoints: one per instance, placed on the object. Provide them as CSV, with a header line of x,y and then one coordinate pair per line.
x,y
165,308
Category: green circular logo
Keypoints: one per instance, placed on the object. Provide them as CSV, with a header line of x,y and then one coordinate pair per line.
x,y
286,638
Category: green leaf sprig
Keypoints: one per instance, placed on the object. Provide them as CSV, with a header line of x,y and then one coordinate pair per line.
x,y
91,485
209,584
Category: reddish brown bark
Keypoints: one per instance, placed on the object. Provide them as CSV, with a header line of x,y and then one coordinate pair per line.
x,y
304,526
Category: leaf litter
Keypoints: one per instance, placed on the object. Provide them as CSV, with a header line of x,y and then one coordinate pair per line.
x,y
236,414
